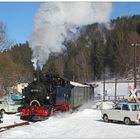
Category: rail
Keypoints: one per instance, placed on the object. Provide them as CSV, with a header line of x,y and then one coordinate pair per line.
x,y
4,128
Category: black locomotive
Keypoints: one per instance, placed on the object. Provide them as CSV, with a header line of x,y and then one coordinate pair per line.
x,y
44,95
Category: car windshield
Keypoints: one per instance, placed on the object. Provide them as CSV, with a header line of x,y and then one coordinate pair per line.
x,y
135,107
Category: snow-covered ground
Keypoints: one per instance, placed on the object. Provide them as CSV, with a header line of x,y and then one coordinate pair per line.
x,y
85,123
10,119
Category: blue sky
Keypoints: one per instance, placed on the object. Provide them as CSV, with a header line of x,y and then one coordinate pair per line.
x,y
125,9
18,16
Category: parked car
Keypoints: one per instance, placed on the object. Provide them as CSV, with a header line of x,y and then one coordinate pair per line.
x,y
126,112
1,116
6,107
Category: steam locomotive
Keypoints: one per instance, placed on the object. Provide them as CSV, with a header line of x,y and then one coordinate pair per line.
x,y
45,95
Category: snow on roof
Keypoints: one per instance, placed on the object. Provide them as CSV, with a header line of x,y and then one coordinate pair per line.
x,y
78,84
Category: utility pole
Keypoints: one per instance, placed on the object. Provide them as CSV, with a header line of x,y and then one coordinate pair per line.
x,y
104,89
115,89
135,63
135,76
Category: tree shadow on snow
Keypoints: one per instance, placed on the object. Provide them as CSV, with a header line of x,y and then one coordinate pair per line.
x,y
117,122
18,114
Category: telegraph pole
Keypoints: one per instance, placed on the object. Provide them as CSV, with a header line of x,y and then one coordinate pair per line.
x,y
104,89
135,63
135,76
115,89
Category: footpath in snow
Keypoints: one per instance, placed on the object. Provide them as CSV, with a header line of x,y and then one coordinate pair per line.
x,y
85,123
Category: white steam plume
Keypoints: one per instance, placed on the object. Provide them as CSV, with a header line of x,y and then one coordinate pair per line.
x,y
55,20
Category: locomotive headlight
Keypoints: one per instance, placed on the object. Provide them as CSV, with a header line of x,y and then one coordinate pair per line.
x,y
47,97
35,79
23,96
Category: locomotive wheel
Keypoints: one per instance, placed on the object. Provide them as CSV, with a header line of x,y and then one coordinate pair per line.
x,y
63,110
2,111
24,118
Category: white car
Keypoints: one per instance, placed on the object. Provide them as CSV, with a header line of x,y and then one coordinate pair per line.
x,y
6,107
1,116
126,112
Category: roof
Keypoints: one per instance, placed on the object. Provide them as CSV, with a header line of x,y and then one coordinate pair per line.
x,y
78,84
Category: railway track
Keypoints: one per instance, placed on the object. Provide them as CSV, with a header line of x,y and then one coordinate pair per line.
x,y
16,124
4,128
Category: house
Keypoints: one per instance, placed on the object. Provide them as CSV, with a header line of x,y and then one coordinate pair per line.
x,y
18,88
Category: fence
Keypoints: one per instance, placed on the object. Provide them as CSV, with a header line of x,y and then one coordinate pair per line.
x,y
118,98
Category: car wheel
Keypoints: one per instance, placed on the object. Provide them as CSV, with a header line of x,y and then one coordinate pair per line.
x,y
105,118
127,121
2,111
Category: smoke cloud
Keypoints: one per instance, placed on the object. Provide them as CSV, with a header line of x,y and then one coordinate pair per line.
x,y
56,22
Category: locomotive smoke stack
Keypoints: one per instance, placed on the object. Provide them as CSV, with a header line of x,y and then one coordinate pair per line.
x,y
37,72
37,66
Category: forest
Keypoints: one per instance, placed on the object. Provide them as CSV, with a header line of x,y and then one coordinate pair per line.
x,y
97,53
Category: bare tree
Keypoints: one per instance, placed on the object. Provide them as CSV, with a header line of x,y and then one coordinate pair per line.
x,y
5,43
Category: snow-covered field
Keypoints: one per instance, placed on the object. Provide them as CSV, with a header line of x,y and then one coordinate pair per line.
x,y
122,88
85,123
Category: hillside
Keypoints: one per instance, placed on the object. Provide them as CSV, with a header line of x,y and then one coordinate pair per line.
x,y
96,51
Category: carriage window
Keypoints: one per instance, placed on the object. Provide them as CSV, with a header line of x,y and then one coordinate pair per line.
x,y
125,107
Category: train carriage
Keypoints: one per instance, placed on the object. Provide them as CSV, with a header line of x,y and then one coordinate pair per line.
x,y
80,94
